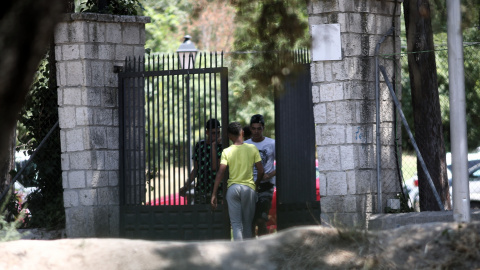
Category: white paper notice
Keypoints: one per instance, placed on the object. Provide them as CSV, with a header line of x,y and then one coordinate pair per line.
x,y
327,44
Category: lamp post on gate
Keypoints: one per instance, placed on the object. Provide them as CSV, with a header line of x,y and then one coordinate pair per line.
x,y
187,50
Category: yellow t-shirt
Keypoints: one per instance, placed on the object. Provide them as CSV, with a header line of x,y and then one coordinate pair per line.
x,y
239,159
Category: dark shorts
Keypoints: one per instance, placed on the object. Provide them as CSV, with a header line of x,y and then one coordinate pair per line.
x,y
262,208
264,203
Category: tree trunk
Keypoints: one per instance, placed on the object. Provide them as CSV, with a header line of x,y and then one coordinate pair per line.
x,y
8,162
426,105
26,27
70,6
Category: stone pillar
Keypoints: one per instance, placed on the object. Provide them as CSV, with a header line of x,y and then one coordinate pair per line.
x,y
88,46
344,110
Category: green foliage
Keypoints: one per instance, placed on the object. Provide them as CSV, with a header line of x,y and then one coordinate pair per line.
x,y
10,219
243,103
472,91
469,9
472,88
38,116
168,24
263,28
13,209
269,27
116,7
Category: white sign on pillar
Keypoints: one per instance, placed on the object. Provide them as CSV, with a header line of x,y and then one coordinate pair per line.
x,y
327,44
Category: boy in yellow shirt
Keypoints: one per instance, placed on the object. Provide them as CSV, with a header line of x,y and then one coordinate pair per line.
x,y
241,195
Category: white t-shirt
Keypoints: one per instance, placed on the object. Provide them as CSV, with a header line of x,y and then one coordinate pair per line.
x,y
267,153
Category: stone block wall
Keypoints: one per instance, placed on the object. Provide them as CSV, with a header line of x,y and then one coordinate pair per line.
x,y
345,112
87,47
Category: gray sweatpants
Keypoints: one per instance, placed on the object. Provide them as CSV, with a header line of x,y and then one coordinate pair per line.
x,y
241,207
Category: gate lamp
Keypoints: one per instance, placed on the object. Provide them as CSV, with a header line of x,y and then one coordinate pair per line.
x,y
187,49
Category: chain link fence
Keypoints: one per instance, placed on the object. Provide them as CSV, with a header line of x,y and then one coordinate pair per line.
x,y
407,162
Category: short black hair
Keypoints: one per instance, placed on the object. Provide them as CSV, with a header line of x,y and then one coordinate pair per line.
x,y
247,132
212,123
234,128
257,118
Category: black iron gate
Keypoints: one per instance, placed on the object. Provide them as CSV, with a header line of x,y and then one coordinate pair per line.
x,y
295,148
163,111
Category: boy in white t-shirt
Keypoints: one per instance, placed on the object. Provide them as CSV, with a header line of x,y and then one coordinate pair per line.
x,y
266,147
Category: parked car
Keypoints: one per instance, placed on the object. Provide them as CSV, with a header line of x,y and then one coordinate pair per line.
x,y
411,185
473,184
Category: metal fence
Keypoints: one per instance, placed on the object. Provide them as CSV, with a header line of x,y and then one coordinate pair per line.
x,y
408,161
165,105
165,108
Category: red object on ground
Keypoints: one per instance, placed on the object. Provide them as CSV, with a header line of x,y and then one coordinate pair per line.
x,y
174,199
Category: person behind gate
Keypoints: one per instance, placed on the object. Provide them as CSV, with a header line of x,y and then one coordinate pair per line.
x,y
241,195
266,147
205,157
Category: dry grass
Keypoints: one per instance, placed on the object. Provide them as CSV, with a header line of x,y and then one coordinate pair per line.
x,y
422,246
430,246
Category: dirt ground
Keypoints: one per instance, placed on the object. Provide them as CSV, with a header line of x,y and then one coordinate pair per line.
x,y
425,246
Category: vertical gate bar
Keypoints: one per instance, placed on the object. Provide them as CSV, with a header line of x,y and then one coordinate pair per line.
x,y
148,145
131,182
204,97
121,140
163,134
134,137
155,132
156,191
128,138
199,119
204,105
192,87
130,135
225,119
174,135
152,147
210,113
171,127
177,143
141,131
126,142
135,130
216,107
185,128
180,129
168,130
215,91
